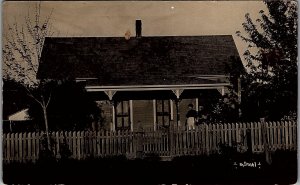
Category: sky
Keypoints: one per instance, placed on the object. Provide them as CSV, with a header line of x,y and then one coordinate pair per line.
x,y
160,18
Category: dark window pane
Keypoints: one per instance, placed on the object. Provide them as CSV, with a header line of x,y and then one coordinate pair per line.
x,y
119,122
125,107
126,121
167,120
166,105
159,106
119,108
122,115
163,112
159,120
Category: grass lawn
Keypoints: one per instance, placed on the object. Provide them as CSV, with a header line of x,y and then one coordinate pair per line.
x,y
195,170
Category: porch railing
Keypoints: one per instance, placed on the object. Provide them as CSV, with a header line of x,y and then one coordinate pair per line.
x,y
205,139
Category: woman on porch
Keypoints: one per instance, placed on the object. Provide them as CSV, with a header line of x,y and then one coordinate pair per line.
x,y
191,117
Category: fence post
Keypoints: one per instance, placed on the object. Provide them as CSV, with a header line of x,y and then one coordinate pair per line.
x,y
207,146
249,142
265,141
9,140
140,142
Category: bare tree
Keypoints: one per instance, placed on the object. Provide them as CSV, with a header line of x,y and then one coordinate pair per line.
x,y
22,55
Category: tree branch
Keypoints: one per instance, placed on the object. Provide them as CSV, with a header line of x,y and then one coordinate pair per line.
x,y
48,100
32,96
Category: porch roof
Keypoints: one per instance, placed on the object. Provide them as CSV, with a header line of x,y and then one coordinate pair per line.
x,y
115,61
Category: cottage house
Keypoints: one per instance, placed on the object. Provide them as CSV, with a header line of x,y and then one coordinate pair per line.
x,y
143,80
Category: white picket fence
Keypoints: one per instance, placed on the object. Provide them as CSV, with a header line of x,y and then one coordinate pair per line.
x,y
205,139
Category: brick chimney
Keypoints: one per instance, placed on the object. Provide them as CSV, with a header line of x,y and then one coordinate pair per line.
x,y
138,28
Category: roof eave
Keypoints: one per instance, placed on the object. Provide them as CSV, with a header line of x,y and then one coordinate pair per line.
x,y
155,87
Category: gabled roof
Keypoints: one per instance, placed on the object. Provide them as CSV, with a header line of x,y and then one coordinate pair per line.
x,y
137,61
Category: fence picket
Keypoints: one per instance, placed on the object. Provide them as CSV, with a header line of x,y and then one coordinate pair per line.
x,y
207,139
20,146
225,134
196,146
275,125
213,138
233,133
13,148
107,135
281,135
24,147
286,136
290,134
229,134
39,143
260,137
268,134
94,141
160,137
157,137
238,135
8,147
275,135
176,148
222,134
294,135
113,141
162,141
256,136
127,145
252,136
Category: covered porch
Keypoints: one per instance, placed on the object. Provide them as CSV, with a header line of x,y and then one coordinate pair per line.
x,y
152,107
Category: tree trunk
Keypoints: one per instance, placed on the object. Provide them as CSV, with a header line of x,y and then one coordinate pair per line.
x,y
265,142
46,126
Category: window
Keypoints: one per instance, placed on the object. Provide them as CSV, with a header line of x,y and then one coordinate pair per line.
x,y
163,113
122,113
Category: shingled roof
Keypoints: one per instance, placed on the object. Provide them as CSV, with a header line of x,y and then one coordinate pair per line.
x,y
137,61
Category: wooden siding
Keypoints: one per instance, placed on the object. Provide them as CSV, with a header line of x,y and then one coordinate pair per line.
x,y
143,112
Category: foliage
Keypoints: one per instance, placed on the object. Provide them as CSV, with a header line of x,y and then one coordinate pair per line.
x,y
65,152
14,98
226,109
23,47
22,56
71,108
270,86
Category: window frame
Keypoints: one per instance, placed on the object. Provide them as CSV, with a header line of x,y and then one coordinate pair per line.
x,y
122,115
166,122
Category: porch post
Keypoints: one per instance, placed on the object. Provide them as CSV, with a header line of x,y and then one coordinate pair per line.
x,y
110,95
113,123
177,93
154,115
171,110
131,115
177,113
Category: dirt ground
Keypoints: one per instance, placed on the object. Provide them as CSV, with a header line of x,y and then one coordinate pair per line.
x,y
215,169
